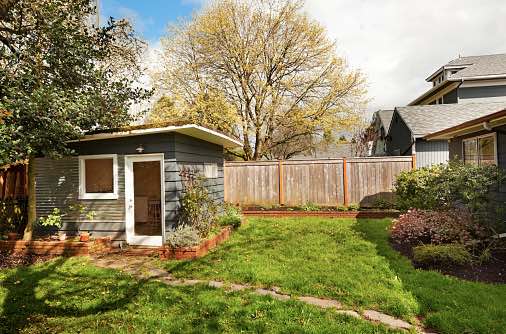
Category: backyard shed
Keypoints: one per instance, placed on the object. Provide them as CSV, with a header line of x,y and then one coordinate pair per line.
x,y
127,183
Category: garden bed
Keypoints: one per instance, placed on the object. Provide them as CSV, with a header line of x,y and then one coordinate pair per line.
x,y
205,246
288,212
493,271
56,248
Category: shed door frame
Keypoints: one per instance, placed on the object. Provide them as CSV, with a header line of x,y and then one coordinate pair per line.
x,y
132,239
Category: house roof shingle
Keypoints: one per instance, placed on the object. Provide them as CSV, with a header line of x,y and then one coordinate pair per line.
x,y
425,119
385,117
478,66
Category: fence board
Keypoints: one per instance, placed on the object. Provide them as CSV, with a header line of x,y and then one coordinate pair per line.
x,y
13,182
313,181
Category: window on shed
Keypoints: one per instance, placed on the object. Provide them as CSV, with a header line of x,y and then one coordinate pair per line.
x,y
211,171
98,177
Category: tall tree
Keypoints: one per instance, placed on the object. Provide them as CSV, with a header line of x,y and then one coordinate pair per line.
x,y
273,64
59,77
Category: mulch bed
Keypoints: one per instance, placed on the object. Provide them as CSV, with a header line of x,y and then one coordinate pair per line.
x,y
493,271
8,260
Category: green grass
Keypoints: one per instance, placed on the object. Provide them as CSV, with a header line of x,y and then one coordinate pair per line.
x,y
73,296
352,261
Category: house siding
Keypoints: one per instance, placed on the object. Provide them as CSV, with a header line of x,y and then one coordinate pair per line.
x,y
429,153
57,186
400,141
482,94
191,153
58,180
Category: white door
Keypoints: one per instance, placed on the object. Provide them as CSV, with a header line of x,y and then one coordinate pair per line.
x,y
144,199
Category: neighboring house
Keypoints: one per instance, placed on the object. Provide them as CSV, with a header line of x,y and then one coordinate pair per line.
x,y
481,140
467,80
130,179
463,89
381,125
410,125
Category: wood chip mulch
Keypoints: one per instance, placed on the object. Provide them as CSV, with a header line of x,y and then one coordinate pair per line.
x,y
15,260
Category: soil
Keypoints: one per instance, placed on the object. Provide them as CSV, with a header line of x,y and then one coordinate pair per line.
x,y
15,260
493,271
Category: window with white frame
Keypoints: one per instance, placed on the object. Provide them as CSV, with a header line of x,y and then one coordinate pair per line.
x,y
211,171
98,176
480,150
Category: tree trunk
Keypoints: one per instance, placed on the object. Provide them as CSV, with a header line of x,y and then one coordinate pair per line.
x,y
32,214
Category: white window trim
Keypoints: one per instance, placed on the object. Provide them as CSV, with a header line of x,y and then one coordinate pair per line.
x,y
494,135
82,177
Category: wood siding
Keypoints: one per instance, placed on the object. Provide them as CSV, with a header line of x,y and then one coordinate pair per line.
x,y
298,182
58,187
430,153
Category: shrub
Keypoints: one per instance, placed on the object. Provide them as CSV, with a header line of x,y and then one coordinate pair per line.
x,y
183,236
309,207
445,186
437,227
354,207
231,215
198,209
12,215
442,255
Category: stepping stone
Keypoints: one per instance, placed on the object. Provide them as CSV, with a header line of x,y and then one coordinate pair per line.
x,y
324,303
155,272
349,313
237,287
386,319
216,284
273,294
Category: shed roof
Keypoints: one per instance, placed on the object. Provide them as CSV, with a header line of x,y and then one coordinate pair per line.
x,y
425,119
191,130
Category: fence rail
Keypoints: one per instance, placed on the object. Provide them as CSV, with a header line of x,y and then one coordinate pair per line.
x,y
13,182
327,182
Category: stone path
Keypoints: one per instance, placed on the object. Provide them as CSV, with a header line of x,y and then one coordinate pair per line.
x,y
142,268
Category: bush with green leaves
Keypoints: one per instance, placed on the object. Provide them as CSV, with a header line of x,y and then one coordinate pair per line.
x,y
231,215
12,215
445,186
198,208
447,254
183,236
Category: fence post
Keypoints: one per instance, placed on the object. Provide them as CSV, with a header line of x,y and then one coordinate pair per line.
x,y
281,188
413,161
345,182
224,181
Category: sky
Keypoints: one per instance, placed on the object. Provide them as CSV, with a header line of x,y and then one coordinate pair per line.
x,y
396,44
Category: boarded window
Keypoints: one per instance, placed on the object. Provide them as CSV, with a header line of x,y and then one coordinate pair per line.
x,y
99,176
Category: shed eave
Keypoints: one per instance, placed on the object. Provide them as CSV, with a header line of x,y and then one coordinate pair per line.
x,y
191,130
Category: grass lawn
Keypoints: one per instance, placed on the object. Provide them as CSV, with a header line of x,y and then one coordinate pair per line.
x,y
72,296
349,260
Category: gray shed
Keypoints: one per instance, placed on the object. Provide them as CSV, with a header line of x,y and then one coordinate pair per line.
x,y
127,184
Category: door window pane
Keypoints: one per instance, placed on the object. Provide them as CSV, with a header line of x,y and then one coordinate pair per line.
x,y
470,152
147,198
487,150
99,176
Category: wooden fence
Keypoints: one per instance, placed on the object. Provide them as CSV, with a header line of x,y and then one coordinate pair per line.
x,y
13,182
326,182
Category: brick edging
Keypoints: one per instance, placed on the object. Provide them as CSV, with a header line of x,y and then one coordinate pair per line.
x,y
66,248
205,246
328,214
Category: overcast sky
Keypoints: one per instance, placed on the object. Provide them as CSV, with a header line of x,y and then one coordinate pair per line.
x,y
395,43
